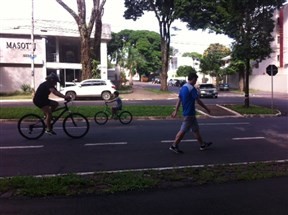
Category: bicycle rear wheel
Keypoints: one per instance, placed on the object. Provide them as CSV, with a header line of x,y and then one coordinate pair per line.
x,y
31,126
75,125
101,117
125,117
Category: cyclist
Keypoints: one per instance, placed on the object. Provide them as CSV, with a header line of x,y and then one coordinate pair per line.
x,y
118,101
42,101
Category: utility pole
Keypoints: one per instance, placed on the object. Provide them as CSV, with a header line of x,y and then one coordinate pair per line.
x,y
33,48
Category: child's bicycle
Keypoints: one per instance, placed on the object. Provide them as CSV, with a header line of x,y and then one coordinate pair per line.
x,y
32,126
101,117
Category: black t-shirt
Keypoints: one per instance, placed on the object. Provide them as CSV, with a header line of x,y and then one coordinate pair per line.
x,y
41,96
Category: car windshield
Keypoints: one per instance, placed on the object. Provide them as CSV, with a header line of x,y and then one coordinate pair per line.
x,y
205,86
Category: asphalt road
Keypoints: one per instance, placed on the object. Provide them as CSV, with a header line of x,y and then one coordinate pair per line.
x,y
142,144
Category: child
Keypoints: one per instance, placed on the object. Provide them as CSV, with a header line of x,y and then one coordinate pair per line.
x,y
118,101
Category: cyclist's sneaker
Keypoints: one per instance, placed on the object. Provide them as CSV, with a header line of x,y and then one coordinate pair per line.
x,y
175,149
205,145
50,132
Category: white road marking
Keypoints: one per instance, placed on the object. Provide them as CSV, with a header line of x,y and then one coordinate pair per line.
x,y
103,144
20,147
159,168
226,123
248,138
171,141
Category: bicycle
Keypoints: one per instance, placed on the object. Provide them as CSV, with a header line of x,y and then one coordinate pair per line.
x,y
101,117
32,126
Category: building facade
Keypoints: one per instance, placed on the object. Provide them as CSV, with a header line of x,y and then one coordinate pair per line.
x,y
259,79
56,49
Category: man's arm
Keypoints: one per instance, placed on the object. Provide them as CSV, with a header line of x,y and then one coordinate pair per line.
x,y
199,101
174,113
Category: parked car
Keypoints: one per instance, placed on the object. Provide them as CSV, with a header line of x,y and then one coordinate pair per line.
x,y
91,88
172,82
223,87
156,80
208,90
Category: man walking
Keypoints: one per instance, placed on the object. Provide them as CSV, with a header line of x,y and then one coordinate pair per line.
x,y
187,96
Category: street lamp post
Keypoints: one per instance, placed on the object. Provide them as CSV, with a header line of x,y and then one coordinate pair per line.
x,y
33,48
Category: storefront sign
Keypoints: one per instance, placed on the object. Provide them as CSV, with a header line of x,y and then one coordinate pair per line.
x,y
19,51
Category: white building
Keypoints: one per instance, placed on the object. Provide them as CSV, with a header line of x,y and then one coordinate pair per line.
x,y
56,49
177,61
259,79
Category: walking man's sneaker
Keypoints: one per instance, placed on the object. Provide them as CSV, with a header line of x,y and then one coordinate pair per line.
x,y
175,149
205,145
50,132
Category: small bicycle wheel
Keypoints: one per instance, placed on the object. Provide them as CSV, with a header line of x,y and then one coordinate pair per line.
x,y
125,117
75,125
31,126
101,117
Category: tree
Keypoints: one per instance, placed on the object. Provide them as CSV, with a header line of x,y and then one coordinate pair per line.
x,y
85,30
164,11
249,23
185,70
145,44
211,60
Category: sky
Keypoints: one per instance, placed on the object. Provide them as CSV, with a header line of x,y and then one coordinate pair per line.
x,y
185,40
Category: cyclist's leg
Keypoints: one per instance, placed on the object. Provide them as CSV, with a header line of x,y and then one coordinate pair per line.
x,y
53,104
48,113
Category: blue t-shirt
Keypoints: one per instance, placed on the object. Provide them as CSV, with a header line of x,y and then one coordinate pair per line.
x,y
188,94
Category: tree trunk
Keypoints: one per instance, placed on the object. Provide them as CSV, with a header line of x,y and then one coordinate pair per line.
x,y
247,73
165,63
85,57
97,40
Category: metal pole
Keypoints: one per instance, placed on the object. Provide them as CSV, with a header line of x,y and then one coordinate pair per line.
x,y
272,102
33,47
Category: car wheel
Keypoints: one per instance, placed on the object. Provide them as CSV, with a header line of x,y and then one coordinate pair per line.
x,y
106,95
71,94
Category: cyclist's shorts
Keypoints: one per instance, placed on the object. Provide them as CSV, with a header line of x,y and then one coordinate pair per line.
x,y
43,103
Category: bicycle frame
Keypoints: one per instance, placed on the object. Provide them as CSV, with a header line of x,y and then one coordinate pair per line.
x,y
65,109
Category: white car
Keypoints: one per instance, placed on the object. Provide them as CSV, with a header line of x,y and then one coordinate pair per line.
x,y
90,88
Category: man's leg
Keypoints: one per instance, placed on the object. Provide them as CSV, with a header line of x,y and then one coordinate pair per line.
x,y
178,138
203,145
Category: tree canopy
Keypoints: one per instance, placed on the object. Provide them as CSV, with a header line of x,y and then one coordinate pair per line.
x,y
249,23
142,46
211,60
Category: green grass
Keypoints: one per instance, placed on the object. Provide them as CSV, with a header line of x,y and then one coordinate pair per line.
x,y
137,111
102,183
89,111
253,109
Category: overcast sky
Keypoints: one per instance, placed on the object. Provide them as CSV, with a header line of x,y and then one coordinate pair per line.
x,y
185,40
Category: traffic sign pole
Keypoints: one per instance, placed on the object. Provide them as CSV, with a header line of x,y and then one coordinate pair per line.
x,y
272,97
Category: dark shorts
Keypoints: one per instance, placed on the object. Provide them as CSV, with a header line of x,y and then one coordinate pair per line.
x,y
42,103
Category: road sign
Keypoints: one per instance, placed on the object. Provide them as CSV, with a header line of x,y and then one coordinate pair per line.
x,y
271,70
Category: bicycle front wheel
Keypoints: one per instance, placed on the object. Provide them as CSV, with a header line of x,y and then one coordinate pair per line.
x,y
125,117
31,126
75,125
101,117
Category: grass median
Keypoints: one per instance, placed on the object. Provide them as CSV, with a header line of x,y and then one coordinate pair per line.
x,y
117,182
137,111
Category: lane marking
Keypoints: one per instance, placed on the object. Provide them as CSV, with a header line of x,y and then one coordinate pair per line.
x,y
103,144
171,141
157,168
226,123
20,147
248,138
